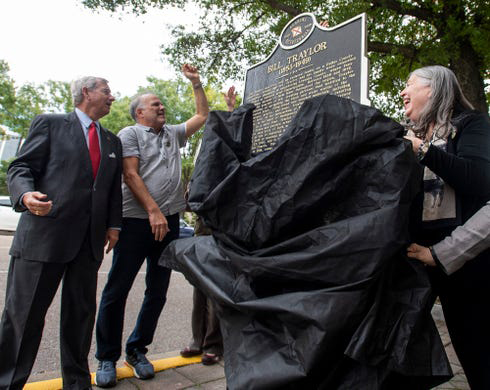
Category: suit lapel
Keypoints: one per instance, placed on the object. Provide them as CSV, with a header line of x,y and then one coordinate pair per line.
x,y
76,135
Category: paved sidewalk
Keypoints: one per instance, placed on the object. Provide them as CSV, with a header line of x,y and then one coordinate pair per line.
x,y
171,372
192,376
180,373
459,381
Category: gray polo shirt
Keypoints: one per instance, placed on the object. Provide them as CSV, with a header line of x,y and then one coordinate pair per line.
x,y
159,167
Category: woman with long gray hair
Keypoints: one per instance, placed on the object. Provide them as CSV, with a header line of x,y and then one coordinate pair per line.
x,y
452,144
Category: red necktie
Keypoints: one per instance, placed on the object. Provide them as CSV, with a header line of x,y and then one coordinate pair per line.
x,y
93,148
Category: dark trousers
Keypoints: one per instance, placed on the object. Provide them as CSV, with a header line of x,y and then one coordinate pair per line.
x,y
31,287
465,302
136,243
206,334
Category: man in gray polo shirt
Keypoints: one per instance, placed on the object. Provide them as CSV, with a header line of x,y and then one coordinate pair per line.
x,y
152,199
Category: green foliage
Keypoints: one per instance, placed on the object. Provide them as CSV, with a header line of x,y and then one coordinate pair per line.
x,y
119,116
7,93
3,176
403,35
18,106
58,94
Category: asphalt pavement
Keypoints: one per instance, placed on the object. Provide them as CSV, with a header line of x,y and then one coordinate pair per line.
x,y
173,330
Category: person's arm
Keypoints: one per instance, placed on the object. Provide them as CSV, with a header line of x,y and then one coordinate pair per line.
x,y
464,243
202,106
467,172
30,163
158,222
115,212
230,98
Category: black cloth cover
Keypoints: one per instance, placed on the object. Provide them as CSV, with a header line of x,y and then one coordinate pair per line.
x,y
306,260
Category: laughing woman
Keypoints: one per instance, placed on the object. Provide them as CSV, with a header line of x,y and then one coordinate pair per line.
x,y
452,143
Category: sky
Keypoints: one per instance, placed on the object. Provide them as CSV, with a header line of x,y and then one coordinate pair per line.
x,y
62,40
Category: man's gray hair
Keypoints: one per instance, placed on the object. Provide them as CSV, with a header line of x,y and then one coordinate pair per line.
x,y
446,94
137,102
89,82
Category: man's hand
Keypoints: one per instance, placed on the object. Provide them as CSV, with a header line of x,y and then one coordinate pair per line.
x,y
111,237
230,98
36,203
202,107
132,178
191,73
159,224
422,253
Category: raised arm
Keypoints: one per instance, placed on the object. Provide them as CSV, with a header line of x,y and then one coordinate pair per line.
x,y
230,98
202,106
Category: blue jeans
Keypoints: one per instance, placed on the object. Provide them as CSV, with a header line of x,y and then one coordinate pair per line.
x,y
136,243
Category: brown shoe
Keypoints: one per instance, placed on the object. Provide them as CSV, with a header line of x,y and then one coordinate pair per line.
x,y
189,352
209,359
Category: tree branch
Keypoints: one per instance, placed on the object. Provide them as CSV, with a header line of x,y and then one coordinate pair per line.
x,y
422,13
240,5
274,4
408,51
234,37
239,33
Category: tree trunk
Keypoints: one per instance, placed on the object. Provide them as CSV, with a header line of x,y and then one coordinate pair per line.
x,y
466,66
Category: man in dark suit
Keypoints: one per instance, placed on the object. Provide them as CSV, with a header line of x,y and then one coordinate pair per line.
x,y
67,184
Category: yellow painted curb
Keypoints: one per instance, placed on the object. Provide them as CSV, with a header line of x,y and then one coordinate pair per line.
x,y
122,372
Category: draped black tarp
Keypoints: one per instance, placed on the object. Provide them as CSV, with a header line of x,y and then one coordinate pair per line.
x,y
307,255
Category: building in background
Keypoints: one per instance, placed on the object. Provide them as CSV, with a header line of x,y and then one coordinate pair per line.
x,y
10,143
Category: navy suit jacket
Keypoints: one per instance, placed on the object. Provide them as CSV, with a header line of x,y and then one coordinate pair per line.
x,y
55,161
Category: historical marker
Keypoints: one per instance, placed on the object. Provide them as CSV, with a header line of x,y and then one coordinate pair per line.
x,y
309,60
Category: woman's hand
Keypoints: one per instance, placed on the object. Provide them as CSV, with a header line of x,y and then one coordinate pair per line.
x,y
416,142
422,253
